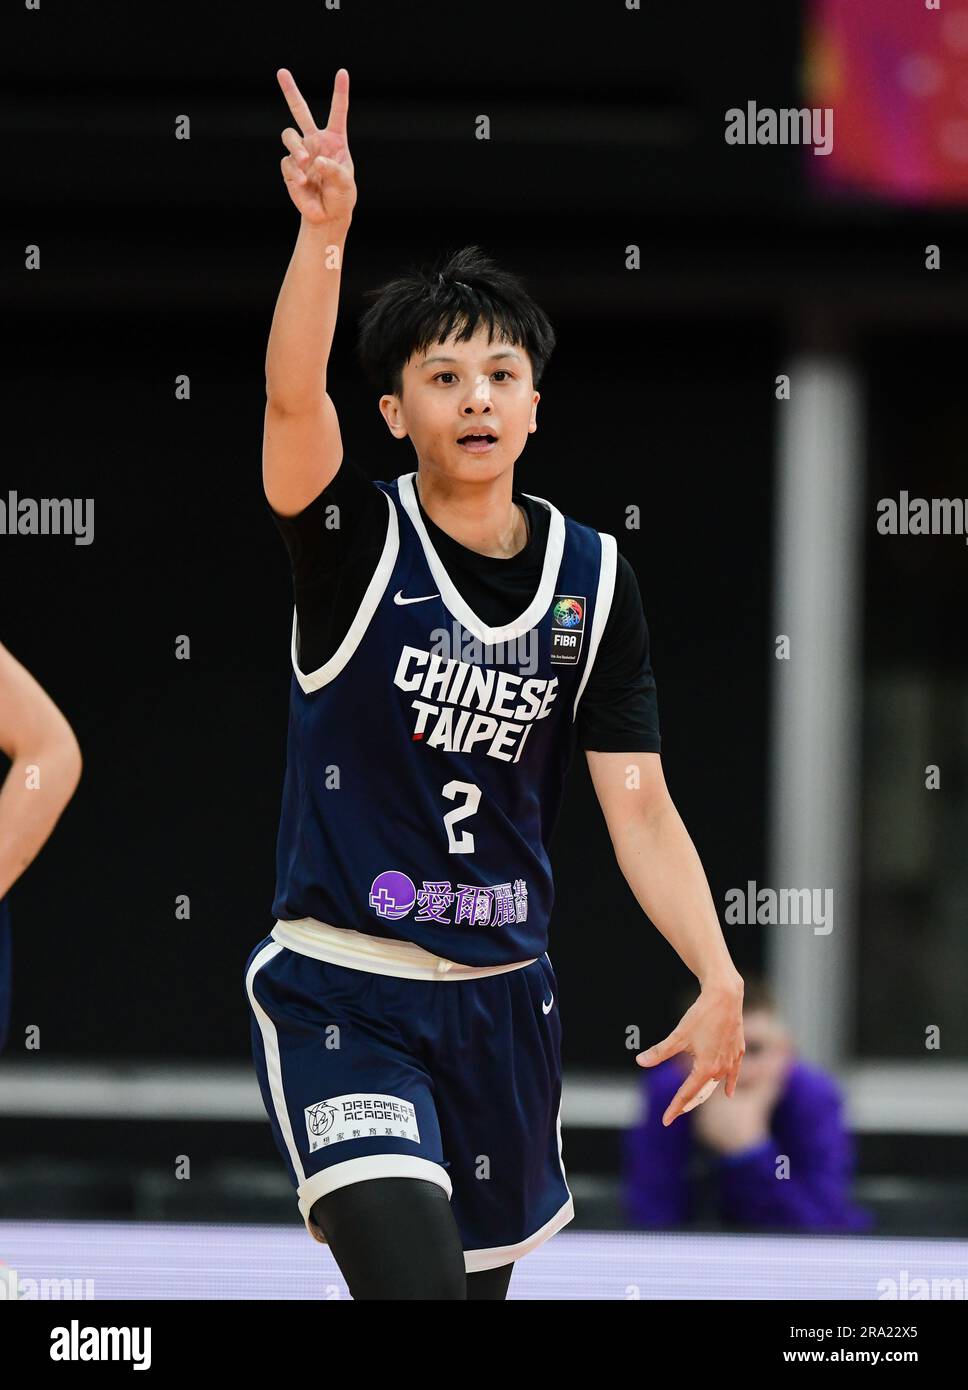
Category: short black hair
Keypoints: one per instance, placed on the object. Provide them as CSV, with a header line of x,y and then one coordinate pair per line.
x,y
429,303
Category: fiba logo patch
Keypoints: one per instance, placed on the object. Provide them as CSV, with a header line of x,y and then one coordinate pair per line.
x,y
392,894
360,1115
567,628
568,612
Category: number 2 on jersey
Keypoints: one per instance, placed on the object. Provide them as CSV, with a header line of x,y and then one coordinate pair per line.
x,y
464,843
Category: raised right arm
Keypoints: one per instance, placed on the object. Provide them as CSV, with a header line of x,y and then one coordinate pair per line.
x,y
302,447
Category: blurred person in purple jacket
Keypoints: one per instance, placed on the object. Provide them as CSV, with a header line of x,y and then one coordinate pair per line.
x,y
776,1154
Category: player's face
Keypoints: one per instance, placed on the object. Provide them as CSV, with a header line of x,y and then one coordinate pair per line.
x,y
767,1048
452,388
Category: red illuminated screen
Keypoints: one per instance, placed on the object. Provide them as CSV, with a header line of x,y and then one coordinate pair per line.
x,y
895,74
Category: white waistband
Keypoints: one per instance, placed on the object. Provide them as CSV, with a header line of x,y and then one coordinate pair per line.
x,y
382,956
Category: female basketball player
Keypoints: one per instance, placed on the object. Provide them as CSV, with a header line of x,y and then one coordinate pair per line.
x,y
452,639
43,776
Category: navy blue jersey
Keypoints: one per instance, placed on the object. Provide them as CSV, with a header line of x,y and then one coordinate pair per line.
x,y
427,757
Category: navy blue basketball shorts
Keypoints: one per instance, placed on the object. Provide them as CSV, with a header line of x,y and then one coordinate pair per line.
x,y
455,1081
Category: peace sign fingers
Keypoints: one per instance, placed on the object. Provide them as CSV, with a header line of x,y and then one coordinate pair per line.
x,y
297,103
318,169
340,104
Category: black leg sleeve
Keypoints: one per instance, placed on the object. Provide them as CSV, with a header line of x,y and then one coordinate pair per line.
x,y
394,1238
490,1283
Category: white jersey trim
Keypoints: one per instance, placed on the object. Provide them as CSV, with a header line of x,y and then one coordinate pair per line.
x,y
453,601
362,1169
380,955
273,1057
603,606
497,1255
314,680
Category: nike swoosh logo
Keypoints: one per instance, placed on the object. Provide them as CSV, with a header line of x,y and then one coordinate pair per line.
x,y
399,598
546,1008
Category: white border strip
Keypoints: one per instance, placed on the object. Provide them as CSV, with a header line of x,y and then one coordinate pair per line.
x,y
607,568
273,1059
314,680
454,602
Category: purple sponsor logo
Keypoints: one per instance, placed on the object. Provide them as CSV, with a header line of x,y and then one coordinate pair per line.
x,y
392,894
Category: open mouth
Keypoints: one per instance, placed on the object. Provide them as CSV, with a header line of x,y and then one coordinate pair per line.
x,y
477,443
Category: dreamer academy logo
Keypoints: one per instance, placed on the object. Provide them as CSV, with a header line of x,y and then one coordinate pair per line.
x,y
320,1118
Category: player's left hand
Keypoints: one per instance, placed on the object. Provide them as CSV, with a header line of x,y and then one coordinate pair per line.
x,y
711,1031
741,1124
